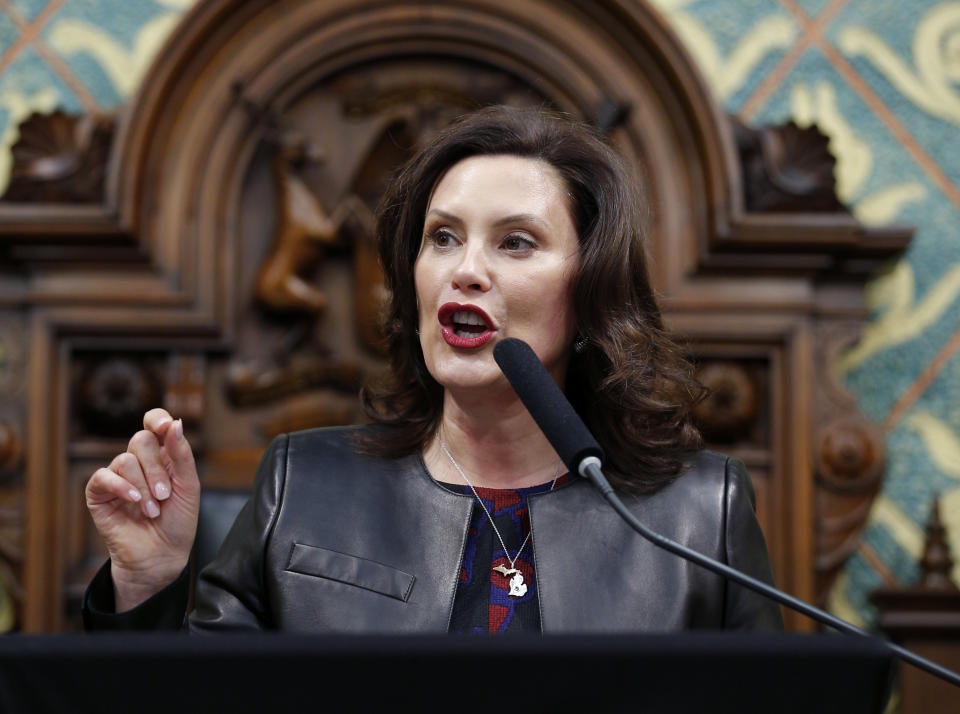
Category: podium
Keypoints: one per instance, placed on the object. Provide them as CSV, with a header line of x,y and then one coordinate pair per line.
x,y
689,672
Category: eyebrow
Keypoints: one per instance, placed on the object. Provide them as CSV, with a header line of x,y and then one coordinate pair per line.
x,y
515,218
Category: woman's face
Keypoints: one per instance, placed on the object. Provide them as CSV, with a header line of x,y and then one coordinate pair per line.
x,y
497,259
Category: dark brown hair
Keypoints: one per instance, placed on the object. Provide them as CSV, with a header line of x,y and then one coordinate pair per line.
x,y
631,384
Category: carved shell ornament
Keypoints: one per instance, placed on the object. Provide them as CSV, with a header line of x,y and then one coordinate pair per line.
x,y
60,158
786,168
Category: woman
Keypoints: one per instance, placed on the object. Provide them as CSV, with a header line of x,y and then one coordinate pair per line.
x,y
452,511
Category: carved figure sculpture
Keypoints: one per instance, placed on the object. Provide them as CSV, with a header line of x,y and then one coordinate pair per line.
x,y
303,226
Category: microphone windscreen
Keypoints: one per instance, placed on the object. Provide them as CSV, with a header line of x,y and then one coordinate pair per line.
x,y
546,403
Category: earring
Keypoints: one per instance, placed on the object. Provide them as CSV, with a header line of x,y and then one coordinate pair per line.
x,y
580,344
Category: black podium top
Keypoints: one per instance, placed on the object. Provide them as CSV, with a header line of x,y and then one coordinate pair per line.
x,y
689,672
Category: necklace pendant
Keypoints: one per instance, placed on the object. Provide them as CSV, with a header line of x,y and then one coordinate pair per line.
x,y
517,587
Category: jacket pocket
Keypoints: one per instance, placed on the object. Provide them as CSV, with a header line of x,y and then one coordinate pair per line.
x,y
349,569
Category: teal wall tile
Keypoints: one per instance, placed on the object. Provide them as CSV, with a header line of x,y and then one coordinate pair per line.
x,y
124,18
729,22
96,79
941,400
861,580
922,463
873,145
812,8
735,102
895,21
912,477
881,382
106,41
932,261
736,44
815,77
876,166
8,32
29,9
935,249
904,567
880,46
27,76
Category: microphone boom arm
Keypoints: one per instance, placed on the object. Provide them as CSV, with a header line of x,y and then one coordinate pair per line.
x,y
590,469
576,446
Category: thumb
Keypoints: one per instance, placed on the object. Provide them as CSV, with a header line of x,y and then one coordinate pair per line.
x,y
180,454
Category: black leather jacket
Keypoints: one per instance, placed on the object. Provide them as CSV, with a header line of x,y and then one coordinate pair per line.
x,y
337,542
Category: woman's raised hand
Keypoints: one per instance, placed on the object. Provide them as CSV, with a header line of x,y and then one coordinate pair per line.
x,y
145,506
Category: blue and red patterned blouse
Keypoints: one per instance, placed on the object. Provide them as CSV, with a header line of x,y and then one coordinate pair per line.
x,y
482,603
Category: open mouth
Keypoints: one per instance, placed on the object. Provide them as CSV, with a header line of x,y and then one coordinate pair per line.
x,y
464,326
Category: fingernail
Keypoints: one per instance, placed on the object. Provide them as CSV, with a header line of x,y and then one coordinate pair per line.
x,y
161,490
152,509
178,429
135,495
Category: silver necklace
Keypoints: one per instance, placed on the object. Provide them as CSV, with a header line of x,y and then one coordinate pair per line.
x,y
517,587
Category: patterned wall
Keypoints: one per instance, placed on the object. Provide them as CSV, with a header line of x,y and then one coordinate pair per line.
x,y
880,77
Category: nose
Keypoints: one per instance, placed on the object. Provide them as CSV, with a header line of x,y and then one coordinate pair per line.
x,y
472,272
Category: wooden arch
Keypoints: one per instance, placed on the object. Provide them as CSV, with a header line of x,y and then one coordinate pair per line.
x,y
758,274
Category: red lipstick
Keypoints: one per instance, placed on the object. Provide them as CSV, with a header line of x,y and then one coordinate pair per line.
x,y
464,326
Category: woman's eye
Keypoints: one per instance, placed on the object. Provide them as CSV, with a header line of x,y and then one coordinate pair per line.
x,y
442,238
516,242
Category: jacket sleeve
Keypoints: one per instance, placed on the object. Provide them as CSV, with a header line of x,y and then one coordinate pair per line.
x,y
231,592
162,611
746,551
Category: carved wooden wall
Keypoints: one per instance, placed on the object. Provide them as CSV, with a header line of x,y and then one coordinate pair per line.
x,y
209,250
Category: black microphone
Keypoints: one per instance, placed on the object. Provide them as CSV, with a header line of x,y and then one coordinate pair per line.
x,y
547,404
581,453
